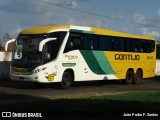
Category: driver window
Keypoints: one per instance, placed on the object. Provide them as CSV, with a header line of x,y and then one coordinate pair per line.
x,y
47,55
49,51
52,48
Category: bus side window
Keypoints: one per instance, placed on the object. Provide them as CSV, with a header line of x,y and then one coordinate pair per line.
x,y
69,46
138,46
148,47
87,42
128,46
131,45
74,42
95,42
105,43
151,46
119,43
143,49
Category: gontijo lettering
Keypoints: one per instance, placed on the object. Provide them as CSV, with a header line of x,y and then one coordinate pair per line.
x,y
127,57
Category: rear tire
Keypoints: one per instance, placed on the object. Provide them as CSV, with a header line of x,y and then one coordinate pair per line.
x,y
138,77
129,77
67,80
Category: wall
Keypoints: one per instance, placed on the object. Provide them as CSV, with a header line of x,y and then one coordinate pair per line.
x,y
5,58
158,67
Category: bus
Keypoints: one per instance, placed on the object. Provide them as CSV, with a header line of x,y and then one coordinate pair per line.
x,y
68,53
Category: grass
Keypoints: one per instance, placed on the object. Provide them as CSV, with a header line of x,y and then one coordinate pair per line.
x,y
149,96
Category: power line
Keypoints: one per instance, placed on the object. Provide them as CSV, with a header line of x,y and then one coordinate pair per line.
x,y
96,14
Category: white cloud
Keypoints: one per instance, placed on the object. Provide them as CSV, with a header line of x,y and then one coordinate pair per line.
x,y
71,3
74,4
148,20
153,20
88,22
34,6
118,16
17,31
32,12
146,31
138,18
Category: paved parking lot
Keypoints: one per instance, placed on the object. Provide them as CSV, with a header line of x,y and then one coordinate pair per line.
x,y
12,92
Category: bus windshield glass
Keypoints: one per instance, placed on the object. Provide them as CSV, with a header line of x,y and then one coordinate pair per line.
x,y
25,53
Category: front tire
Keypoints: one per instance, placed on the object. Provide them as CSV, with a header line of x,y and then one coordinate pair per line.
x,y
67,80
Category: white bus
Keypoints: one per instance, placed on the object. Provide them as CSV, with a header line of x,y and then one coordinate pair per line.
x,y
66,53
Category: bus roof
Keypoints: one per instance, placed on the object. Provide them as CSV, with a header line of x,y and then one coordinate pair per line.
x,y
43,29
49,28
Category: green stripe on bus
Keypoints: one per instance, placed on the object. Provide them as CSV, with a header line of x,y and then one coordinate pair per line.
x,y
81,31
97,62
92,62
103,62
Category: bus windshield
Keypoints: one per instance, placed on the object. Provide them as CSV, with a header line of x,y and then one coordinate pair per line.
x,y
25,53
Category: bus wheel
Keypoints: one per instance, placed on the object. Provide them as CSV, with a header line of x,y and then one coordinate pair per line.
x,y
138,77
129,77
67,80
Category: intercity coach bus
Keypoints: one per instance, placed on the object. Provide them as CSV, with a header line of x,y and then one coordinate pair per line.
x,y
67,53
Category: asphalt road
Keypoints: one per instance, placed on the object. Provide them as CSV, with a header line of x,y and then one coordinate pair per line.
x,y
15,92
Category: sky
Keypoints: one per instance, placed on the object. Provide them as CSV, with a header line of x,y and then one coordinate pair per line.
x,y
16,15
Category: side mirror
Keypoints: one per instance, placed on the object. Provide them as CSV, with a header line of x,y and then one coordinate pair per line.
x,y
7,43
41,44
